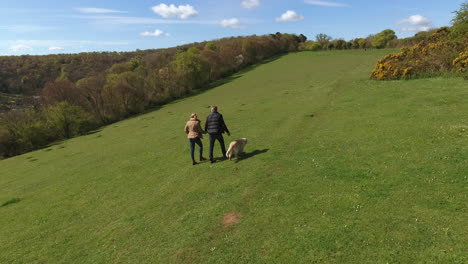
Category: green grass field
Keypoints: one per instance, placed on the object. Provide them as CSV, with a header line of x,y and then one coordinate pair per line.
x,y
338,169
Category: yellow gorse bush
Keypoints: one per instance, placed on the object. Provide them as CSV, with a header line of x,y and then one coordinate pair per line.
x,y
437,53
461,62
392,67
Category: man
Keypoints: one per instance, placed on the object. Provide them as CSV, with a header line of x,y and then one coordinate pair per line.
x,y
215,127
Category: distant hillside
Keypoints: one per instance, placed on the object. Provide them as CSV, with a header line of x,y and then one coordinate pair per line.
x,y
27,74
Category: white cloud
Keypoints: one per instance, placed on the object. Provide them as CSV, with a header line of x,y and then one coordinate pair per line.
x,y
289,16
156,33
416,20
20,48
182,11
416,23
55,48
250,4
94,10
325,3
231,23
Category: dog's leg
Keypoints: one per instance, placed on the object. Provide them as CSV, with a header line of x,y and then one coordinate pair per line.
x,y
229,152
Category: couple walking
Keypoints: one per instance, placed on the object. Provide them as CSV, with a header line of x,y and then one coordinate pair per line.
x,y
214,126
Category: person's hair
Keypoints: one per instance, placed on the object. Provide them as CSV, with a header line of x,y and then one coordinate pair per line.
x,y
214,108
193,115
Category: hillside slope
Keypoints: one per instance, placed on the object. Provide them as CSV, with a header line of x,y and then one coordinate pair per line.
x,y
338,169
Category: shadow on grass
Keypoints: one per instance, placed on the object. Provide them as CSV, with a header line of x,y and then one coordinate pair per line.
x,y
246,155
93,131
11,201
432,74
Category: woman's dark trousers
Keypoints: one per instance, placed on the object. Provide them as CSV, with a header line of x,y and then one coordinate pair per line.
x,y
192,142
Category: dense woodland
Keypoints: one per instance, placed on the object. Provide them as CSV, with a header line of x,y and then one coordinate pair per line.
x,y
26,74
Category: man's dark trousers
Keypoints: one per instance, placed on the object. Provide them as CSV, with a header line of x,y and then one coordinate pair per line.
x,y
220,138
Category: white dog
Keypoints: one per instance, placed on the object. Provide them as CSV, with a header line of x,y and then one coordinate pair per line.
x,y
236,147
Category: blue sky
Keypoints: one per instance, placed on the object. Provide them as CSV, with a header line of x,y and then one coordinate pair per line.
x,y
57,26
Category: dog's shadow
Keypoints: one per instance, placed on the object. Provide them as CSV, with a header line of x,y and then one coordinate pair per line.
x,y
246,155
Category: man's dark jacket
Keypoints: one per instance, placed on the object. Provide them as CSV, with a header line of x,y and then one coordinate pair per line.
x,y
215,124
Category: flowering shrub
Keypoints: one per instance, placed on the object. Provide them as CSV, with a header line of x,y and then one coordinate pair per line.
x,y
437,53
461,62
392,67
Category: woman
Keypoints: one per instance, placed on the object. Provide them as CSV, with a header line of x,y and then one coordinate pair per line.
x,y
195,134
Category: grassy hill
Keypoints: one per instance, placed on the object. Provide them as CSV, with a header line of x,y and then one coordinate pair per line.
x,y
338,169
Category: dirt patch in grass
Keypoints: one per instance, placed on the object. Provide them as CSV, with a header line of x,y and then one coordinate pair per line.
x,y
186,255
231,218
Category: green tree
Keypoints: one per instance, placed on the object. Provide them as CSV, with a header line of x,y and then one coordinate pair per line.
x,y
309,45
90,89
68,120
340,44
460,22
134,63
249,50
302,38
22,131
323,40
191,68
210,46
215,62
125,93
362,43
382,39
59,91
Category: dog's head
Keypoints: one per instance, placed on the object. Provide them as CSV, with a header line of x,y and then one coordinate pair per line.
x,y
245,140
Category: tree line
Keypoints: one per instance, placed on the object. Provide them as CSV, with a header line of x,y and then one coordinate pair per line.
x,y
27,74
80,92
384,39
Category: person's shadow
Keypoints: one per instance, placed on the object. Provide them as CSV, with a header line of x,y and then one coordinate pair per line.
x,y
247,155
